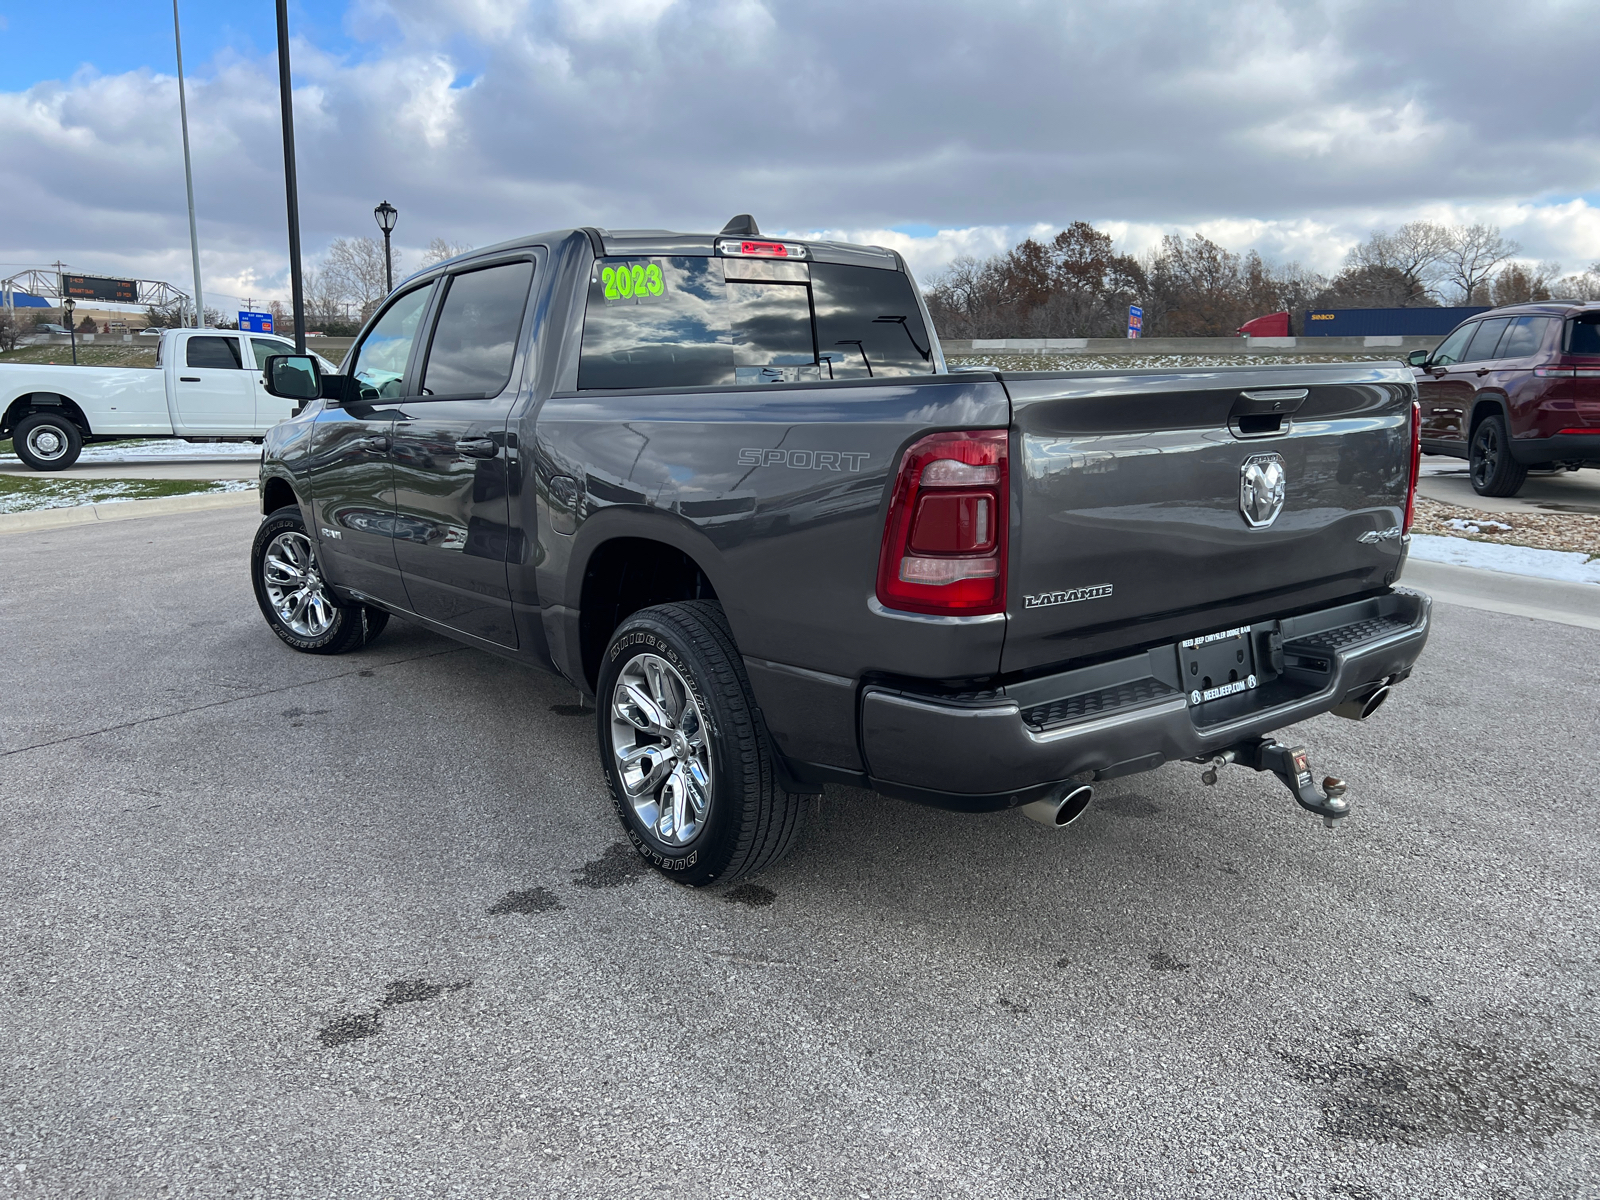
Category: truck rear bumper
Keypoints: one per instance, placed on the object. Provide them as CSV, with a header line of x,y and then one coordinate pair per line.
x,y
1017,744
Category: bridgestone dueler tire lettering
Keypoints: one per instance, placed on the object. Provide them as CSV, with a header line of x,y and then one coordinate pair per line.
x,y
354,625
752,822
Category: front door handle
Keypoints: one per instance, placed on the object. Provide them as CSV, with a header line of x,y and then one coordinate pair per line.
x,y
478,447
188,379
378,442
1484,370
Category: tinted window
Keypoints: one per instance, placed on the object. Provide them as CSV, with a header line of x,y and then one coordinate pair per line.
x,y
672,331
476,335
1524,337
263,347
1483,342
1454,347
215,352
771,325
381,362
711,322
1585,336
868,322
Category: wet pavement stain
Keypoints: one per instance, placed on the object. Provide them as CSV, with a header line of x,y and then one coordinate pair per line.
x,y
571,710
1014,1006
1465,1082
529,900
752,894
1162,961
352,1027
620,864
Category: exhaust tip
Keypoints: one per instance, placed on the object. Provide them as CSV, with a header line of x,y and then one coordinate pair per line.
x,y
1063,810
1359,707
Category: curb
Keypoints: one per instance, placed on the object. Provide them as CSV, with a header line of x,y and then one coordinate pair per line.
x,y
123,510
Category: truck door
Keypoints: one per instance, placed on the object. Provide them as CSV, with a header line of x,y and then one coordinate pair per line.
x,y
1443,390
269,409
452,461
352,475
214,394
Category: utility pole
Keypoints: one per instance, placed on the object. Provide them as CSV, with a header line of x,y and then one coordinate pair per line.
x,y
188,174
291,185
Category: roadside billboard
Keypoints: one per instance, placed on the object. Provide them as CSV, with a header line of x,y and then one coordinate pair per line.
x,y
255,322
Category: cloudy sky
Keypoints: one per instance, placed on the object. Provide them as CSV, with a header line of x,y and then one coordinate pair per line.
x,y
939,127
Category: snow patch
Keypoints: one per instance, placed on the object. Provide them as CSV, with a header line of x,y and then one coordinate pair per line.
x,y
1567,565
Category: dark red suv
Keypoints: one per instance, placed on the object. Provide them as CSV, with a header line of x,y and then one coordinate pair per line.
x,y
1514,389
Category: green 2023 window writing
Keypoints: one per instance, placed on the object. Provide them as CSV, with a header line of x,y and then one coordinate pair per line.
x,y
639,280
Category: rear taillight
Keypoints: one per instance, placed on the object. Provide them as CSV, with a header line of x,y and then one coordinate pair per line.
x,y
1416,465
944,544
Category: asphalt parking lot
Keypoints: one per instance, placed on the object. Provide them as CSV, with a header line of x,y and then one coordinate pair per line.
x,y
273,925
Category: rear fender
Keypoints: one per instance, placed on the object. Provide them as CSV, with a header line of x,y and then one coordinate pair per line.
x,y
30,402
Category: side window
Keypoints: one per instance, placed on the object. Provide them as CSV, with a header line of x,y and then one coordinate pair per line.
x,y
868,323
380,364
1483,342
659,322
475,338
1454,347
221,352
1524,337
265,347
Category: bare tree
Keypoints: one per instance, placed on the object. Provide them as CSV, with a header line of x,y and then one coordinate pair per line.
x,y
1475,252
353,269
439,249
1519,283
1585,285
1411,259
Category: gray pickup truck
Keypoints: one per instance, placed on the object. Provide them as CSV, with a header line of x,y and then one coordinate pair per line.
x,y
728,488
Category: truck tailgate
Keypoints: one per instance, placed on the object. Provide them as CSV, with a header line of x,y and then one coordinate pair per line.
x,y
1130,524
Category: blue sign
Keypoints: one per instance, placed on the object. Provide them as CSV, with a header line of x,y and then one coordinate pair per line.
x,y
251,322
1135,320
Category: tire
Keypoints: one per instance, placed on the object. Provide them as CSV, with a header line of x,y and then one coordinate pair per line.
x,y
295,599
714,747
47,441
1492,469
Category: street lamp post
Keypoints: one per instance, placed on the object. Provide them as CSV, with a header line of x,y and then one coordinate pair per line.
x,y
386,214
67,306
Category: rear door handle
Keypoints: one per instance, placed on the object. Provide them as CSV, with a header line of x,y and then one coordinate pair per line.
x,y
188,379
378,441
478,447
1484,370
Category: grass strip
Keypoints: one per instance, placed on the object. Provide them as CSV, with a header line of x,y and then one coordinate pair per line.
x,y
30,494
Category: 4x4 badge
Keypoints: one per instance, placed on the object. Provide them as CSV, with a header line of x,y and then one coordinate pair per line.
x,y
1262,484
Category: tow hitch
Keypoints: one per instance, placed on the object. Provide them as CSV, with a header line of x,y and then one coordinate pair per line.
x,y
1291,765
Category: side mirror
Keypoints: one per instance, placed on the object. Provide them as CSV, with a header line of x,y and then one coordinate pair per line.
x,y
1418,358
294,377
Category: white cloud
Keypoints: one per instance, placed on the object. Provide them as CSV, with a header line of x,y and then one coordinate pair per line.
x,y
1290,127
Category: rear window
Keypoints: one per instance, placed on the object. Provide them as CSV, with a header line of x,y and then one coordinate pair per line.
x,y
716,322
214,352
1584,337
1524,337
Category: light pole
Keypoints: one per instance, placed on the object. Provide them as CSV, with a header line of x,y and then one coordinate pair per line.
x,y
67,306
386,214
291,183
188,175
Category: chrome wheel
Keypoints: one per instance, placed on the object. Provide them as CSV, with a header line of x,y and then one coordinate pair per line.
x,y
662,749
47,442
294,585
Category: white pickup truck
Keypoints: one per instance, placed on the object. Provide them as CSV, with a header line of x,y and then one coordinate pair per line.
x,y
206,386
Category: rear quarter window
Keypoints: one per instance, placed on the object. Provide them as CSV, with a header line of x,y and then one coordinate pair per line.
x,y
715,322
1583,337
